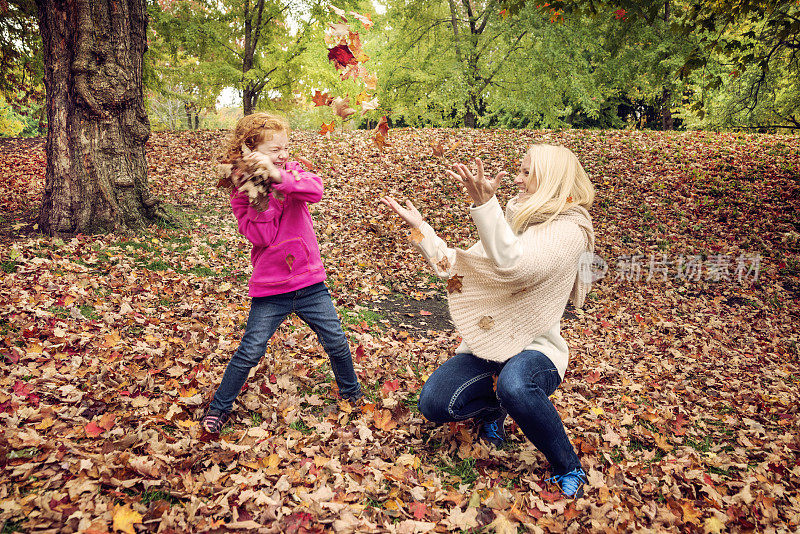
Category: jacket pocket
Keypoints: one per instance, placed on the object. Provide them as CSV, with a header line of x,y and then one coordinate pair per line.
x,y
281,262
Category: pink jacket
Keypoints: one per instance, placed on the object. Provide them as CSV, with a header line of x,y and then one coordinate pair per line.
x,y
285,253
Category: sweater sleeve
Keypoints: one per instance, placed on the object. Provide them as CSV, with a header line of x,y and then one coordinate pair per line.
x,y
259,227
300,184
439,255
499,242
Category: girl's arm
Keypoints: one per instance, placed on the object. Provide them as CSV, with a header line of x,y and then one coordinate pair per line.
x,y
299,184
259,227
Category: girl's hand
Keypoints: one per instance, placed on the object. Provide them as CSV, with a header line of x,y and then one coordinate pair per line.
x,y
479,188
409,214
263,161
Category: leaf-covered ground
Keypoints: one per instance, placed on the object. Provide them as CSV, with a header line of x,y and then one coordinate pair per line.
x,y
681,395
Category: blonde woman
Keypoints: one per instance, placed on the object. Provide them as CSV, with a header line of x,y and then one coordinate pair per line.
x,y
507,294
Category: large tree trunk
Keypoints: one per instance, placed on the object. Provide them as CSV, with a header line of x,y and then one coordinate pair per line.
x,y
96,178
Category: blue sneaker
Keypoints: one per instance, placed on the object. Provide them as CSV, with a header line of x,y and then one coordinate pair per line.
x,y
571,483
493,431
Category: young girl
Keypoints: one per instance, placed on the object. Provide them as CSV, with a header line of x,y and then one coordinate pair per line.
x,y
288,275
507,294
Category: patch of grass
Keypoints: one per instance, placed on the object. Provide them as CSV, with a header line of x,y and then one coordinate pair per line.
x,y
464,470
635,444
12,526
256,418
30,452
87,310
158,265
703,445
357,317
301,426
59,311
9,266
158,495
202,270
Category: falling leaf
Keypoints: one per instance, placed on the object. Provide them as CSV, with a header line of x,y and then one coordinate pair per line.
x,y
454,284
438,149
443,264
381,132
322,99
326,128
369,105
486,322
125,518
365,19
341,56
338,11
342,107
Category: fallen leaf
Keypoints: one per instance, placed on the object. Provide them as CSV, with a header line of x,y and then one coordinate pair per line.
x,y
125,518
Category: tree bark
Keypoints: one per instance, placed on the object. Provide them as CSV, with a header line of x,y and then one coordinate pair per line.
x,y
96,177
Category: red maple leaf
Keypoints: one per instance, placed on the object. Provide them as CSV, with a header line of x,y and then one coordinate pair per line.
x,y
390,385
418,509
341,56
322,99
620,14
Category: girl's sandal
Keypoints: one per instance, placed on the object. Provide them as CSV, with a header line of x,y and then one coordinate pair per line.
x,y
214,420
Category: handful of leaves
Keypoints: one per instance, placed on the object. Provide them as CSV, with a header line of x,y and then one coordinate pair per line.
x,y
254,174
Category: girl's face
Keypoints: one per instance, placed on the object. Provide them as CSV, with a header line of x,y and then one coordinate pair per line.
x,y
526,177
276,149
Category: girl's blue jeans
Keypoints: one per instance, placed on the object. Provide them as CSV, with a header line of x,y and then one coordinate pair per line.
x,y
462,388
314,306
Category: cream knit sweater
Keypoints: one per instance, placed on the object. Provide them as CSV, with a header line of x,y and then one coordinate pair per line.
x,y
507,292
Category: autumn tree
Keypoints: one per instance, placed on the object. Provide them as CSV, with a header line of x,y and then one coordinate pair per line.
x,y
96,176
449,53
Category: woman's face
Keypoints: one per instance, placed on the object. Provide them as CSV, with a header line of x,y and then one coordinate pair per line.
x,y
526,177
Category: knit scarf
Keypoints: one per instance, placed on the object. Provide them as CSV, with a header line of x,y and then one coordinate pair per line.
x,y
499,311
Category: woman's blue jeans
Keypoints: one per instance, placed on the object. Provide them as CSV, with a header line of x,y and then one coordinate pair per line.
x,y
314,306
462,388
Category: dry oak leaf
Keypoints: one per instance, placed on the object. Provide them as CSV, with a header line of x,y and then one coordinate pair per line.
x,y
454,284
486,322
124,518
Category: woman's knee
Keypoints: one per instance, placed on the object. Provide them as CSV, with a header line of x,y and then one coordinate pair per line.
x,y
430,405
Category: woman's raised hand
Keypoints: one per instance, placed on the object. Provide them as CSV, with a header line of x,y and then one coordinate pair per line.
x,y
479,188
409,214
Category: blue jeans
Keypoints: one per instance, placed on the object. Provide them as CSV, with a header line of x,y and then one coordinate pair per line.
x,y
314,306
462,388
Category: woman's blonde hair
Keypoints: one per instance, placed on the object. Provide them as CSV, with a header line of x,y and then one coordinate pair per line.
x,y
253,130
562,184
